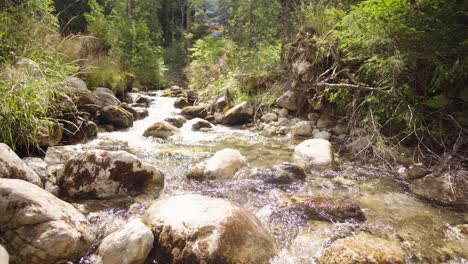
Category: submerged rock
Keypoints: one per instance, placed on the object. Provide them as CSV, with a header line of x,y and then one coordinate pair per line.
x,y
239,114
177,120
222,165
288,101
191,112
106,174
315,154
37,227
200,229
161,129
329,208
116,116
12,167
131,244
362,248
285,173
449,189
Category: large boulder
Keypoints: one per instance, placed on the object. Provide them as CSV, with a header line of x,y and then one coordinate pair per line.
x,y
328,208
284,173
37,227
116,116
315,154
12,167
449,189
161,129
131,110
362,248
200,229
191,112
131,244
105,97
239,114
222,165
107,174
177,120
288,101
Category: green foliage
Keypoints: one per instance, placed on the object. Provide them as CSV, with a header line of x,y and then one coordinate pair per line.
x,y
129,41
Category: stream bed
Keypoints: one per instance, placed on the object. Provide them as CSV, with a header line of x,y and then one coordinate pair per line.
x,y
426,233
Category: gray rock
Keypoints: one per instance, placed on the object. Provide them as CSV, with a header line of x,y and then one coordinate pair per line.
x,y
105,97
161,129
313,117
177,120
315,154
239,114
283,112
223,165
270,117
325,135
37,227
49,134
325,122
131,244
284,173
181,103
116,116
191,112
339,130
303,129
143,100
39,166
288,100
107,174
200,229
12,167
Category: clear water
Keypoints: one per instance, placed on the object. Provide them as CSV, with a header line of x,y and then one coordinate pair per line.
x,y
425,232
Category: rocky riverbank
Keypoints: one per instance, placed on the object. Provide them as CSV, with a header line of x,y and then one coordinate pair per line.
x,y
184,186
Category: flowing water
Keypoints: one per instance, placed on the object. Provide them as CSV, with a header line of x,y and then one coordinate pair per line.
x,y
426,233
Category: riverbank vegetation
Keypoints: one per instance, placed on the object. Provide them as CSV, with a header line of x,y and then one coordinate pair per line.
x,y
395,70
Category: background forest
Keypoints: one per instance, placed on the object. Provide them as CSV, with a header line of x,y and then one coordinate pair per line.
x,y
395,69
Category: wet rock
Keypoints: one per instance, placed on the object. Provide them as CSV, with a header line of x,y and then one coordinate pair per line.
x,y
329,209
177,121
12,167
201,124
143,100
131,110
285,173
270,117
161,129
4,257
288,101
239,114
315,154
222,165
325,121
449,189
325,135
142,112
303,129
181,103
105,97
116,116
191,112
107,174
37,227
200,229
362,248
131,244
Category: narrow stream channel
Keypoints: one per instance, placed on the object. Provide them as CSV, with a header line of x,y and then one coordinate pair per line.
x,y
392,212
